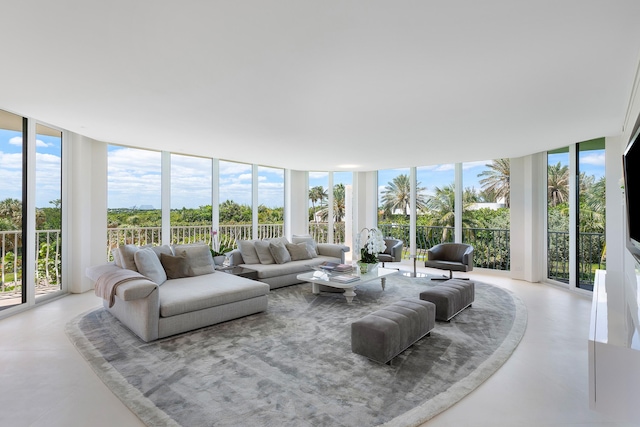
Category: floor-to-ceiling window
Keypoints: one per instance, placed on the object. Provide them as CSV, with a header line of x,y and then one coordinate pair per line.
x,y
191,214
591,211
318,204
12,135
270,202
134,197
48,204
341,180
394,203
235,197
485,212
558,205
436,206
576,195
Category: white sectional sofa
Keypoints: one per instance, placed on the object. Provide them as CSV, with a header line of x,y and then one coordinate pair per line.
x,y
277,272
158,308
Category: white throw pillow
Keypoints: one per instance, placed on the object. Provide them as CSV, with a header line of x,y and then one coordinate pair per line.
x,y
149,265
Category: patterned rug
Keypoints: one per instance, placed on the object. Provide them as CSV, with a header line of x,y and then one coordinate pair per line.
x,y
293,366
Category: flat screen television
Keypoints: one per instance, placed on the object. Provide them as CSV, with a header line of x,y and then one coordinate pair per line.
x,y
631,168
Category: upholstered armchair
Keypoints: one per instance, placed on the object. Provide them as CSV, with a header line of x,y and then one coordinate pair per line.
x,y
450,256
393,251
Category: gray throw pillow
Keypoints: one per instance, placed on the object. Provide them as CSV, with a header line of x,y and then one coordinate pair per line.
x,y
199,259
164,249
174,266
298,251
279,252
126,256
264,253
248,251
309,240
149,265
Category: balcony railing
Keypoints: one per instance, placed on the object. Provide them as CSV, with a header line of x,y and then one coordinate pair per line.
x,y
491,248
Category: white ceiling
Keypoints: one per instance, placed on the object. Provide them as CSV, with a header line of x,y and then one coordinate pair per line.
x,y
316,85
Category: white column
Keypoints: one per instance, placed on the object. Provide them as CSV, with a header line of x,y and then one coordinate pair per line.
x,y
413,178
29,254
215,194
330,216
573,217
165,199
348,219
254,201
459,187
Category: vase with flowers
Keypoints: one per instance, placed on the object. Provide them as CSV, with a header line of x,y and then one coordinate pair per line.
x,y
370,243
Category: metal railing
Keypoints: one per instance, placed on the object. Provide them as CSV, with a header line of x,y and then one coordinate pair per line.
x,y
591,256
48,272
491,247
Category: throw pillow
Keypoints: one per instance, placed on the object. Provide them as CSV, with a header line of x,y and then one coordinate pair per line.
x,y
149,265
248,251
309,240
116,257
279,252
298,251
174,266
199,259
126,256
264,253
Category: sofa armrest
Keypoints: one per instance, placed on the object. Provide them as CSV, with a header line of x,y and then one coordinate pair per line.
x,y
333,250
135,289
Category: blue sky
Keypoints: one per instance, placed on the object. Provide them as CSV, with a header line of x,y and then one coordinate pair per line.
x,y
48,166
134,175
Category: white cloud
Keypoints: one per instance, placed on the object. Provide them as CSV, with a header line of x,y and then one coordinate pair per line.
x,y
245,177
318,175
17,140
595,159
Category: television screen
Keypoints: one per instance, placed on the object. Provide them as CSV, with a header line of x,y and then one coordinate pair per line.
x,y
631,165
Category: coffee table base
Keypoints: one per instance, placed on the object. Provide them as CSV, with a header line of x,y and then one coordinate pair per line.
x,y
349,293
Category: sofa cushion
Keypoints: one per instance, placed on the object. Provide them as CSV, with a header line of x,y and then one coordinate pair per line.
x,y
174,265
263,251
275,270
196,293
298,251
199,259
279,252
149,265
248,251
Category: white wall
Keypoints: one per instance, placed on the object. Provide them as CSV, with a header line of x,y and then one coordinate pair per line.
x,y
527,218
297,201
87,209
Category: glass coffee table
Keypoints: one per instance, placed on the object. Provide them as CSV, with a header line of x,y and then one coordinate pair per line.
x,y
317,278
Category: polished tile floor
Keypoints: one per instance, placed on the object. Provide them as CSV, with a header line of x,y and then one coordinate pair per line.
x,y
45,382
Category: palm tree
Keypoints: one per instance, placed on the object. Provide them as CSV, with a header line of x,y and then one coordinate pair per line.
x,y
497,180
557,184
442,204
397,196
317,194
338,204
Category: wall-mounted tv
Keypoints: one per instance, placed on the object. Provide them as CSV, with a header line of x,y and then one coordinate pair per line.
x,y
631,167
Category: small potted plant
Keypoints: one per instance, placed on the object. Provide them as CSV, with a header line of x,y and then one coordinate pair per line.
x,y
220,247
370,247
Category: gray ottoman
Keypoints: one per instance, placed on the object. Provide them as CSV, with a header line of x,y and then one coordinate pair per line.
x,y
387,332
450,297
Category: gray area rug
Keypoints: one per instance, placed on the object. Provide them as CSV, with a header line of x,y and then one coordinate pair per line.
x,y
293,366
